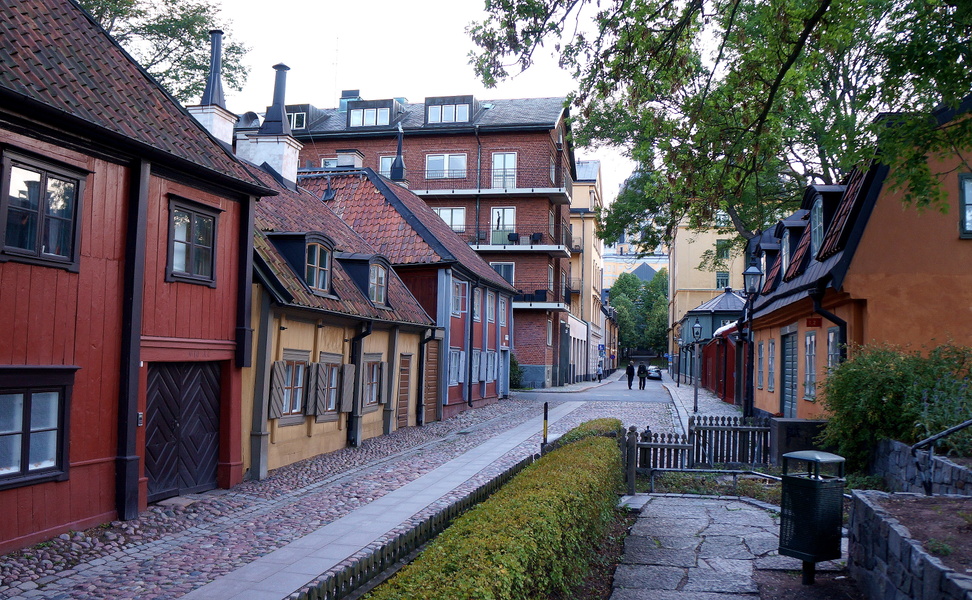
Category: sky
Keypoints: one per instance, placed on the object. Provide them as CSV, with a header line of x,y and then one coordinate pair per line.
x,y
385,49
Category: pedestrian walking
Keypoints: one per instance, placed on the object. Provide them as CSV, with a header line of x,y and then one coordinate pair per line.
x,y
600,372
642,375
630,372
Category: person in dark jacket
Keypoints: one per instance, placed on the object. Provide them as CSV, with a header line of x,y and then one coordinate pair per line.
x,y
642,375
630,372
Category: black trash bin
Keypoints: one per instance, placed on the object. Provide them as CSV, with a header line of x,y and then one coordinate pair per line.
x,y
812,510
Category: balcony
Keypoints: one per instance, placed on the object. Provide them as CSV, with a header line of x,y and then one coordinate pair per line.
x,y
539,295
529,178
520,237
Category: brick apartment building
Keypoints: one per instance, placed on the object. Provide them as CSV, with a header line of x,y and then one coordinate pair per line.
x,y
499,172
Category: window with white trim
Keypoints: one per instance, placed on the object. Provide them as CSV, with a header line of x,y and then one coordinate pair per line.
x,y
504,169
448,113
759,366
502,311
965,204
771,366
445,166
505,269
330,162
372,382
833,347
318,268
294,387
490,307
816,226
369,117
385,165
377,284
454,366
298,120
477,304
454,217
459,289
549,332
810,366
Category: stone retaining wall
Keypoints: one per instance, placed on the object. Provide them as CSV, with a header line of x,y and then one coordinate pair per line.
x,y
888,565
894,462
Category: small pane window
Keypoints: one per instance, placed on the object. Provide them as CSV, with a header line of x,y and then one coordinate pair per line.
x,y
435,114
810,366
298,120
318,274
455,218
458,298
504,269
759,366
771,366
722,249
372,382
502,311
192,246
722,279
377,284
833,347
490,307
965,197
385,165
357,117
477,304
816,226
293,388
330,391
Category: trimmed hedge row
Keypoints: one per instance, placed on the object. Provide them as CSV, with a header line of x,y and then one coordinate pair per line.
x,y
530,539
593,428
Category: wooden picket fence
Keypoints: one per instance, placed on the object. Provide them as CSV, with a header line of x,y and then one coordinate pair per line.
x,y
710,441
363,571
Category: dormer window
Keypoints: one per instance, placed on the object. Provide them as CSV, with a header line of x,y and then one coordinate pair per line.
x,y
298,120
369,117
318,271
816,226
377,284
448,113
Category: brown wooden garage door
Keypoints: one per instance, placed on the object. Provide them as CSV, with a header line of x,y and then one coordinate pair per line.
x,y
181,428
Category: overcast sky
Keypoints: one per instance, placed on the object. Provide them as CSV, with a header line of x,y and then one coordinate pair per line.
x,y
410,48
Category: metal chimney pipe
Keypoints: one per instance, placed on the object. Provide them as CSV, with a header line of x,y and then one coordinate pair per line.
x,y
276,122
213,94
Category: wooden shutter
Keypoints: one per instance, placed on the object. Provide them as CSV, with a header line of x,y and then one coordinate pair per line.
x,y
383,378
462,366
278,375
310,389
347,388
482,366
320,389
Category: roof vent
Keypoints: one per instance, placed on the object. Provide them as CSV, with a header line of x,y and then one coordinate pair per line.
x,y
276,122
213,95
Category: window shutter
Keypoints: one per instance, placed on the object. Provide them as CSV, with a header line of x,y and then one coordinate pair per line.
x,y
320,389
347,388
383,377
482,366
310,389
462,366
278,373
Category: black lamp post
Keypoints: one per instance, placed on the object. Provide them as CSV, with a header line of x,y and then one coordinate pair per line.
x,y
752,277
696,367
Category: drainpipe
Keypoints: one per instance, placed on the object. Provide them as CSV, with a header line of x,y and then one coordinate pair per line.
x,y
817,297
357,359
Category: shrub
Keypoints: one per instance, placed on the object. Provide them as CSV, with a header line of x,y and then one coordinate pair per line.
x,y
593,428
530,539
883,392
516,373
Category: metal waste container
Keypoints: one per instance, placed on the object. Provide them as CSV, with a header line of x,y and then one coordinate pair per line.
x,y
812,510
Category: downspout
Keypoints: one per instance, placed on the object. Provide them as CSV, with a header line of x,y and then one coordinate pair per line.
x,y
244,333
127,460
357,358
817,297
420,395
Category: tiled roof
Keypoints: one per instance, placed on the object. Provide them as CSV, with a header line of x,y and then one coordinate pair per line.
x,y
512,113
53,54
300,212
399,224
836,235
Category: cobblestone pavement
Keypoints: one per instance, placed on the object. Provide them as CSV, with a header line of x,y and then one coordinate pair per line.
x,y
177,546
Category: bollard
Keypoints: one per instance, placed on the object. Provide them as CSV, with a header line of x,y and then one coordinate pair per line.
x,y
632,458
543,444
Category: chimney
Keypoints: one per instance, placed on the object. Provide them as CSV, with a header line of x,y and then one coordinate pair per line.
x,y
348,96
397,173
273,144
350,159
211,111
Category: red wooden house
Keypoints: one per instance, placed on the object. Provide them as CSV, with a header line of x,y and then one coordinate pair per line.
x,y
125,276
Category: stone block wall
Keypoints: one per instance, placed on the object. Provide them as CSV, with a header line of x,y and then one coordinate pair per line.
x,y
888,565
894,462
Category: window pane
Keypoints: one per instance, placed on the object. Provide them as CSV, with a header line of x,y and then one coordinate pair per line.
x,y
311,256
370,116
457,165
11,412
435,166
383,114
448,113
9,454
43,450
179,251
356,117
435,114
203,231
57,237
180,222
203,262
60,197
22,230
24,188
462,112
43,410
385,164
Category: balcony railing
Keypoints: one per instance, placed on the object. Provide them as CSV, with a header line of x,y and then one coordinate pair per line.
x,y
523,177
518,234
538,291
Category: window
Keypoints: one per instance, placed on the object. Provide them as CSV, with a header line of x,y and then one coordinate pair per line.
x,y
477,366
771,366
816,226
33,424
40,209
377,284
490,365
329,163
318,274
833,347
502,311
502,222
810,366
328,391
192,243
448,113
293,387
453,366
369,117
784,252
505,270
372,382
722,249
759,366
477,304
550,277
385,165
965,198
553,170
454,217
504,169
445,166
490,307
722,219
722,279
549,332
298,120
458,297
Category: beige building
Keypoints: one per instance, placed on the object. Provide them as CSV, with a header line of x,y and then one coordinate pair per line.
x,y
688,285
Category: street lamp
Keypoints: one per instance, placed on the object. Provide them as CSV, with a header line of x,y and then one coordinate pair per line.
x,y
696,335
752,277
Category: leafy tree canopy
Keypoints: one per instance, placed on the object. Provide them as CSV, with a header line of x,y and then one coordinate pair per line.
x,y
170,39
733,106
642,310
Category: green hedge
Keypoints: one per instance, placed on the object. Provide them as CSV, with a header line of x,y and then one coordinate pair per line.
x,y
593,428
530,539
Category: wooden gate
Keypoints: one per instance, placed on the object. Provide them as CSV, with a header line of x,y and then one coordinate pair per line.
x,y
182,428
404,371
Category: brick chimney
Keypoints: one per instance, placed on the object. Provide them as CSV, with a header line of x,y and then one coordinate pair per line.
x,y
211,111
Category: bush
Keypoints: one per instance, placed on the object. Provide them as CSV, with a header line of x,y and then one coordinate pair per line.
x,y
516,373
532,538
593,428
883,392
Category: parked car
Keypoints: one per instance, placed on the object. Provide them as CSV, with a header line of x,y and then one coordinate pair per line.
x,y
654,372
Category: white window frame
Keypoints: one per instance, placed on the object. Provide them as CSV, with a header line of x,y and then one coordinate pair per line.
x,y
298,120
329,162
759,367
502,222
504,174
477,304
490,307
372,383
549,332
385,165
313,270
810,366
459,295
454,217
454,366
816,226
833,347
512,270
448,171
448,113
378,284
771,366
369,117
502,310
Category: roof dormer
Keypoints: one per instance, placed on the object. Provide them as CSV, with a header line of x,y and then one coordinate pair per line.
x,y
373,113
449,110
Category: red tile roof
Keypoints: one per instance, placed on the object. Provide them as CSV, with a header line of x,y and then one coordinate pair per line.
x,y
836,236
54,56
